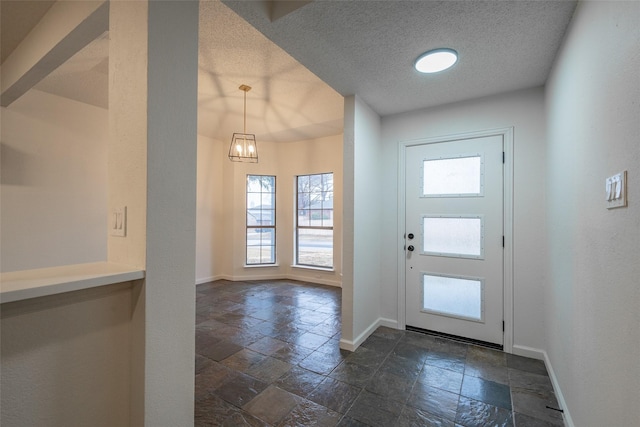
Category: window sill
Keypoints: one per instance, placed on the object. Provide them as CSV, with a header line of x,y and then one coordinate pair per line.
x,y
260,265
22,285
310,267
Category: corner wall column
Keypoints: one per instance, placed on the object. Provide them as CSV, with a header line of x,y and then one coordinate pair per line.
x,y
152,171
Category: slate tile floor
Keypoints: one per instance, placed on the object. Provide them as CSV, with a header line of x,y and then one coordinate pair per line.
x,y
267,354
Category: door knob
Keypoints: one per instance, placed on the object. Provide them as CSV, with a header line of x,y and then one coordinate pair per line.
x,y
410,248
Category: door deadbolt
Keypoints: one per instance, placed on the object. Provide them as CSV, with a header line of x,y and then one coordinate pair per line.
x,y
410,248
410,236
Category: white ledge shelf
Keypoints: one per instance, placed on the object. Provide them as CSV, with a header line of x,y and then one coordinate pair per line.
x,y
26,284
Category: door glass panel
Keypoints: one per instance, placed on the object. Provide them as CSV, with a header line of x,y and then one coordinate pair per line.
x,y
452,236
461,176
452,296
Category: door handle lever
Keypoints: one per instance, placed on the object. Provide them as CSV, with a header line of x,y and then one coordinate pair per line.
x,y
410,248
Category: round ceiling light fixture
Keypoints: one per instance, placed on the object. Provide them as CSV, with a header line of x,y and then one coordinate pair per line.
x,y
436,60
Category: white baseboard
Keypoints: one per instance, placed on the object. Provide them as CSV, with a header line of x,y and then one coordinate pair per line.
x,y
533,353
276,276
262,276
389,323
353,345
568,421
207,279
536,353
318,280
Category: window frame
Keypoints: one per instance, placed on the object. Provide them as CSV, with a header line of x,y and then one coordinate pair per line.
x,y
271,226
299,227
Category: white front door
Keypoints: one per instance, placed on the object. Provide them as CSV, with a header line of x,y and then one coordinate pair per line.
x,y
454,237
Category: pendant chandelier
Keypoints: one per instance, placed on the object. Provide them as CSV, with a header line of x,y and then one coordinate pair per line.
x,y
243,145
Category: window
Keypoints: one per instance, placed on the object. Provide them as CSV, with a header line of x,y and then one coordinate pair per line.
x,y
455,236
261,219
453,296
314,220
453,177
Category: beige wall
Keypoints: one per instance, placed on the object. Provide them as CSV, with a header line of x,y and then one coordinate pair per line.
x,y
54,182
90,358
66,359
221,207
593,285
209,208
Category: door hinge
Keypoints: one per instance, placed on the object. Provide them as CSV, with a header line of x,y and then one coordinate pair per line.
x,y
503,157
503,326
503,241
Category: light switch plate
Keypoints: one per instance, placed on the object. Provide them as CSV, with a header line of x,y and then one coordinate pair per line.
x,y
618,186
118,222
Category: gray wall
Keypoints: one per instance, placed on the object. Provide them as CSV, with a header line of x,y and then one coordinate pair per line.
x,y
524,111
593,289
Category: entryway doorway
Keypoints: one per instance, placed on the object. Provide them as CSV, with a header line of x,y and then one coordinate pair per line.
x,y
455,207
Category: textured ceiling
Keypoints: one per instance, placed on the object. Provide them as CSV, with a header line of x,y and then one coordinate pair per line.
x,y
340,48
286,103
368,47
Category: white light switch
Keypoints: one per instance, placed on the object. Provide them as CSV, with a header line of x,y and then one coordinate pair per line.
x,y
118,222
616,190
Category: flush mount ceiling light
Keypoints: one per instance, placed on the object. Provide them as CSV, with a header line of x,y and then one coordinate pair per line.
x,y
243,145
436,60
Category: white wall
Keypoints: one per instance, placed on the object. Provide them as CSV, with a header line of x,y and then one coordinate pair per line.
x,y
169,292
209,209
524,112
222,199
363,223
54,182
593,290
303,158
66,359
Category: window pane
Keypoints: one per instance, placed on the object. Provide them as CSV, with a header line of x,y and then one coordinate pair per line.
x,y
268,183
315,247
253,200
261,212
315,183
267,236
453,296
327,218
253,217
266,201
452,176
316,217
304,220
452,236
253,184
261,246
303,184
303,200
267,255
327,180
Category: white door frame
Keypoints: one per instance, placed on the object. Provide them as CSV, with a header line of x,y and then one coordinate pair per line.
x,y
507,177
